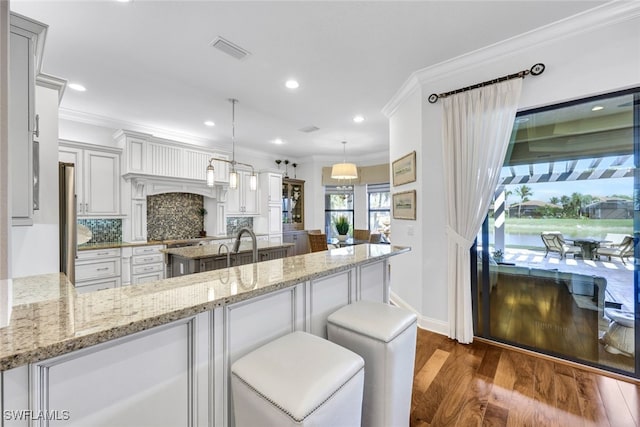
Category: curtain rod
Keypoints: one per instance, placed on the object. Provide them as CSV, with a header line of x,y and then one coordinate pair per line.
x,y
535,70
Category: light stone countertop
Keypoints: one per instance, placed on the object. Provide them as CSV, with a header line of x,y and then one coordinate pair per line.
x,y
43,316
109,245
212,250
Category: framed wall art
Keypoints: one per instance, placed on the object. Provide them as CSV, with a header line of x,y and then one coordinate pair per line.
x,y
404,205
404,169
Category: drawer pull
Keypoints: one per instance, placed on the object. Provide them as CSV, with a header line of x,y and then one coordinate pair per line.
x,y
148,259
102,253
102,269
148,268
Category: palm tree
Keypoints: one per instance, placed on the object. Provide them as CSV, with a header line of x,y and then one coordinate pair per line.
x,y
554,200
524,191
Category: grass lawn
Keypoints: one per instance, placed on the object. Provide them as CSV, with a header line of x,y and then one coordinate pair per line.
x,y
596,228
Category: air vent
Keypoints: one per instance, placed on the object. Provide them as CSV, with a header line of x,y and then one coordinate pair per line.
x,y
309,129
229,48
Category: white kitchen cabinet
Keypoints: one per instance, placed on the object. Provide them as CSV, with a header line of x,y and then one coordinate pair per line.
x,y
98,269
97,171
25,52
147,264
243,200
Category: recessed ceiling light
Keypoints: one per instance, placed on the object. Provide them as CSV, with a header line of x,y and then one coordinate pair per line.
x,y
124,1
209,123
597,108
77,86
278,141
358,119
292,84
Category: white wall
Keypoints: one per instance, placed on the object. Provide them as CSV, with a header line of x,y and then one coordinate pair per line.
x,y
594,53
5,214
35,248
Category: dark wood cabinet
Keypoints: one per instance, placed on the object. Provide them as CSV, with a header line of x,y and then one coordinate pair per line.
x,y
299,239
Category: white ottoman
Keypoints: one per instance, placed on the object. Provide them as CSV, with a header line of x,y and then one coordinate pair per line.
x,y
619,337
385,336
298,380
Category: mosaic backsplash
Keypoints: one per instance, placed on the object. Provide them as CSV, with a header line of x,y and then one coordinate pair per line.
x,y
235,223
174,216
103,230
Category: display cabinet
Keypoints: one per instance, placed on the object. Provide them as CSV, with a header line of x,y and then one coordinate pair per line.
x,y
292,204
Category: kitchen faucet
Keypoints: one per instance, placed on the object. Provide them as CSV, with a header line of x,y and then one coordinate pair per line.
x,y
254,242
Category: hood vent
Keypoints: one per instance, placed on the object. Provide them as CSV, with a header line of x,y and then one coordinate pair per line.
x,y
229,48
309,129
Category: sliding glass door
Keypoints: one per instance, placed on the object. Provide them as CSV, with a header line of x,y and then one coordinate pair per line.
x,y
557,259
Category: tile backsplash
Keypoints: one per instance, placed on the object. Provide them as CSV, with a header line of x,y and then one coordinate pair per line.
x,y
235,223
103,230
174,216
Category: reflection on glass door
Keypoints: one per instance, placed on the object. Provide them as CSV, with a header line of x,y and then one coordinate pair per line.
x,y
557,256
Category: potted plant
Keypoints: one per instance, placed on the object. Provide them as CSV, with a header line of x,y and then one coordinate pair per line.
x,y
342,227
202,211
498,255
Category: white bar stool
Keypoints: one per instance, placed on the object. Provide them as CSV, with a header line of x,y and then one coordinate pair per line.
x,y
385,336
298,380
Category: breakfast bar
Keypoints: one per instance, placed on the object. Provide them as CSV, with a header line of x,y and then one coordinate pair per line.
x,y
159,353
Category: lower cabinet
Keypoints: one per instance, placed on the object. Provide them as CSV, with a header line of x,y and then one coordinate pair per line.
x,y
147,264
181,266
98,269
178,374
299,239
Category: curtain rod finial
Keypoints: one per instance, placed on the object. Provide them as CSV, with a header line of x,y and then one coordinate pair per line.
x,y
433,98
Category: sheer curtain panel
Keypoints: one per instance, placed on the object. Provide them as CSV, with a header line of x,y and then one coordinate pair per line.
x,y
477,126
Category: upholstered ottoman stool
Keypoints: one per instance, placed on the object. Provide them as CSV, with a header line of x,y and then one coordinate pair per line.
x,y
385,336
619,337
298,380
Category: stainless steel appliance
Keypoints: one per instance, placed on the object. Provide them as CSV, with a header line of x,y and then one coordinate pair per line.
x,y
68,221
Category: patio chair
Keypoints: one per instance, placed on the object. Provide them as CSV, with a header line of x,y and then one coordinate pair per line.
x,y
623,250
554,242
318,242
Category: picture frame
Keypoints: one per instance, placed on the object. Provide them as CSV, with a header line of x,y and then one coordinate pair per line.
x,y
404,205
404,169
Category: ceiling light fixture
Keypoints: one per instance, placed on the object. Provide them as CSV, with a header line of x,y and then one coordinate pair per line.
x,y
278,141
344,170
233,175
77,86
358,119
292,84
209,123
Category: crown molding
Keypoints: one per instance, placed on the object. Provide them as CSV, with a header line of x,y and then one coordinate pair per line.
x,y
52,82
608,14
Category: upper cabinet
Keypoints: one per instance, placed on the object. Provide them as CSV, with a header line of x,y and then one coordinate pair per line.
x,y
242,200
292,204
97,171
25,53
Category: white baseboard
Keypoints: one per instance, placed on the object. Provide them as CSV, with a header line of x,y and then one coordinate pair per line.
x,y
433,325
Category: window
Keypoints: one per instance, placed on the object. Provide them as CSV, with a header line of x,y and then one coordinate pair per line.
x,y
379,207
338,201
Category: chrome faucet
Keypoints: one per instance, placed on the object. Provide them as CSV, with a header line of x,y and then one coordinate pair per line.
x,y
222,245
254,242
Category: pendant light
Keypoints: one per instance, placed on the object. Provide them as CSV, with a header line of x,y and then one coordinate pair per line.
x,y
344,170
233,175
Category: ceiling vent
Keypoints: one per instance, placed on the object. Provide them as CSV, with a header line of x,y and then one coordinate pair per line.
x,y
309,129
229,48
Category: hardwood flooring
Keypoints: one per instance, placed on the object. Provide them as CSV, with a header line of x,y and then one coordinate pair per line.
x,y
482,384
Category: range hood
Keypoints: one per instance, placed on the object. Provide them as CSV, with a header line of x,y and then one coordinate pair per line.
x,y
148,185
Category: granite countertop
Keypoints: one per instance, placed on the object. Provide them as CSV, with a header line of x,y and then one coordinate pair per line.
x,y
109,245
212,250
43,316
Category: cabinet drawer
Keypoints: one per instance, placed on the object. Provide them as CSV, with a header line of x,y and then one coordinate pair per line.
x,y
99,253
147,268
97,285
147,259
146,250
144,278
97,270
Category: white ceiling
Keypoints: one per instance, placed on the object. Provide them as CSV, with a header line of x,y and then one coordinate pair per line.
x,y
148,66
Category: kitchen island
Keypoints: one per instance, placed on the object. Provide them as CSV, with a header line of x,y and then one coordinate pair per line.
x,y
160,353
197,259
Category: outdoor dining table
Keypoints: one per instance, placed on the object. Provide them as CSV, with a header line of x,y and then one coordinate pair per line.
x,y
587,246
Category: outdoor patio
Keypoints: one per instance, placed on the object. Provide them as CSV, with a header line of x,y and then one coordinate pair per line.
x,y
619,276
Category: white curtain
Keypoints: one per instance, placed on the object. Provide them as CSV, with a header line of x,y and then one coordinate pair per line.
x,y
477,126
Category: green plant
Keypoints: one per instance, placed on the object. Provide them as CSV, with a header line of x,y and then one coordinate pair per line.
x,y
497,254
342,224
202,211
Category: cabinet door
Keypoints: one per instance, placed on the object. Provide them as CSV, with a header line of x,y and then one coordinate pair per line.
x,y
102,183
234,201
21,113
250,196
275,189
275,219
74,155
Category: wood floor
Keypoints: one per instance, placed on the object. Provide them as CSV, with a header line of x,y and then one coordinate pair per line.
x,y
482,384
